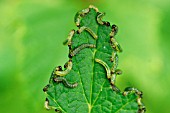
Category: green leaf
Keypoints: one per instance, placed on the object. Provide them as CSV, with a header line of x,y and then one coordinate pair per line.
x,y
87,83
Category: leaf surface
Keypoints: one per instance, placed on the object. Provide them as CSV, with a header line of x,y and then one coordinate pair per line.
x,y
94,92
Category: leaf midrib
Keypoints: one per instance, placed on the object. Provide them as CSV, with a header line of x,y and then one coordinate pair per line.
x,y
90,108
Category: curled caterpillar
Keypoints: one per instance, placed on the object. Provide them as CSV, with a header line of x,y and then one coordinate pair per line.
x,y
129,90
82,13
65,72
46,104
79,15
99,18
93,7
114,74
88,30
115,45
106,67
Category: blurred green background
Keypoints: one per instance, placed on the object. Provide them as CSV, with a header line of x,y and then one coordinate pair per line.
x,y
31,36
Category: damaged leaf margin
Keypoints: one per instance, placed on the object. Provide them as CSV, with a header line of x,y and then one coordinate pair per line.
x,y
87,82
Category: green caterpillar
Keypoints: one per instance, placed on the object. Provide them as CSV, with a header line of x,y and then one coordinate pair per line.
x,y
65,82
98,38
79,48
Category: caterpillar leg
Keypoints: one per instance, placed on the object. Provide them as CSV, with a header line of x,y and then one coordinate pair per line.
x,y
129,90
68,40
105,66
60,72
79,48
65,82
88,30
